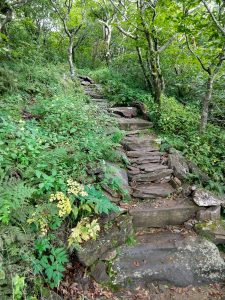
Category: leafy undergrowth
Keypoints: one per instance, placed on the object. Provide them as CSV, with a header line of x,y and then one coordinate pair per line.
x,y
50,137
178,126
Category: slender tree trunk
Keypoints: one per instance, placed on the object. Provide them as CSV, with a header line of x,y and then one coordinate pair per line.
x,y
107,37
156,74
157,78
148,83
206,101
70,56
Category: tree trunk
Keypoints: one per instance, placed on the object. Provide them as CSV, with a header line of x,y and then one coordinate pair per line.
x,y
148,83
157,78
206,102
107,37
70,56
154,64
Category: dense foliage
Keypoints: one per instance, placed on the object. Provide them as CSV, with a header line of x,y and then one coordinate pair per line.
x,y
167,54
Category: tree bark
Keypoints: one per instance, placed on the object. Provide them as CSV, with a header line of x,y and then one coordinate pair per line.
x,y
148,83
70,56
206,101
107,37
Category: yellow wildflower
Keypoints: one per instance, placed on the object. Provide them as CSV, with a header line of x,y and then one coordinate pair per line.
x,y
63,204
76,188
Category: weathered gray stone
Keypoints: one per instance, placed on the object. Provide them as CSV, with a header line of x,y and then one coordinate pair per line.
x,y
174,260
152,191
179,165
109,255
175,182
113,171
145,160
143,153
203,197
152,167
133,124
116,233
152,176
213,230
212,213
160,217
99,272
194,169
127,112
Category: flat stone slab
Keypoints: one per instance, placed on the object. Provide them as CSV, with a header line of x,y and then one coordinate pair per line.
x,y
152,167
146,216
153,176
152,191
143,152
145,160
127,112
170,259
134,123
203,197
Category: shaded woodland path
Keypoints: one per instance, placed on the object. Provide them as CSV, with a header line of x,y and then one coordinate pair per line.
x,y
168,250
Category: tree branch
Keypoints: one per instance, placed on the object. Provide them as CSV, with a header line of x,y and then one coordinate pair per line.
x,y
130,35
196,56
167,44
214,18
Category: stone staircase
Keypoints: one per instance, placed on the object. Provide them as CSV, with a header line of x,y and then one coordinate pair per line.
x,y
165,251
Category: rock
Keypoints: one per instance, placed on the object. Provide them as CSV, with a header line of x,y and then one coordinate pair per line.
x,y
175,182
152,191
169,259
109,255
145,160
213,230
143,152
178,163
151,167
112,193
212,213
127,112
194,169
113,171
133,124
99,272
117,230
190,223
146,216
152,176
203,197
86,78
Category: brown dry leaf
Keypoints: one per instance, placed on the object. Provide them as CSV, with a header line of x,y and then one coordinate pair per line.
x,y
136,263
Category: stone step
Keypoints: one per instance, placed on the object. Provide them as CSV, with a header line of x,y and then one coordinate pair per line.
x,y
163,212
152,167
169,258
100,100
133,124
143,153
93,94
153,190
137,133
127,112
154,176
140,144
144,168
145,160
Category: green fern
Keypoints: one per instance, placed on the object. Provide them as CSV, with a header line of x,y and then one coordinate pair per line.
x,y
100,202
